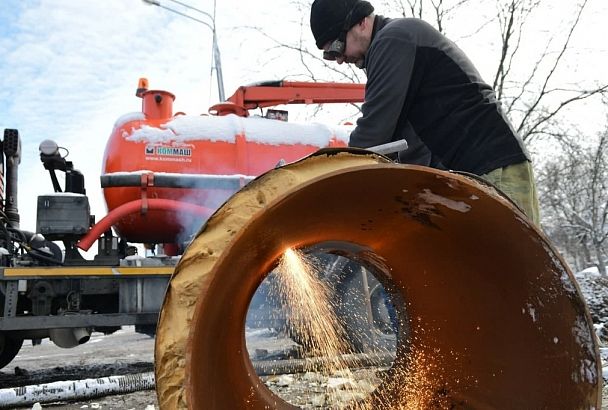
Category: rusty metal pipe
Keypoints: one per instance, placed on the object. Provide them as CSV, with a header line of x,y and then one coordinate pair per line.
x,y
494,311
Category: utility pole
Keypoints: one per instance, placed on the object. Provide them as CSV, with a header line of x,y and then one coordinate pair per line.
x,y
217,61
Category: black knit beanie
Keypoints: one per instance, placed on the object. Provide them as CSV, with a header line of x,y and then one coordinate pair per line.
x,y
327,17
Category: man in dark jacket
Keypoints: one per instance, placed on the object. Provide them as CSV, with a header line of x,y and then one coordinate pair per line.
x,y
422,88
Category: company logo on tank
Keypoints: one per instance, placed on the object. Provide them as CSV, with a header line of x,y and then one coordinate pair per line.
x,y
169,153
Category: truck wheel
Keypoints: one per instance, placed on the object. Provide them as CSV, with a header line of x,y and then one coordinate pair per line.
x,y
9,347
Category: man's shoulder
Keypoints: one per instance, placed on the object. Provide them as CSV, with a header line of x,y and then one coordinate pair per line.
x,y
408,28
411,24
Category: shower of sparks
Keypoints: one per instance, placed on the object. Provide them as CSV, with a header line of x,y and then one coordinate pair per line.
x,y
312,316
309,301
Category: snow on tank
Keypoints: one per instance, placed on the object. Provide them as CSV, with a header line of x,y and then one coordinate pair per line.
x,y
220,153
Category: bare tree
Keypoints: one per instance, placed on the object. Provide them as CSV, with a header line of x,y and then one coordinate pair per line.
x,y
534,102
574,195
435,11
512,16
533,93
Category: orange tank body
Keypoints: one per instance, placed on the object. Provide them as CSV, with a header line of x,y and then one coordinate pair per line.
x,y
229,149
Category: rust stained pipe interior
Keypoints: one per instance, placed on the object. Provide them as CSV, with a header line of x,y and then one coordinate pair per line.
x,y
492,308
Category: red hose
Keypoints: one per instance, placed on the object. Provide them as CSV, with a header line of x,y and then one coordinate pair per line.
x,y
135,206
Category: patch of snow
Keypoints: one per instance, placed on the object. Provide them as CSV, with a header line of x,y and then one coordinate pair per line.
x,y
273,342
432,198
64,194
532,312
591,271
259,332
149,135
134,257
132,116
337,382
284,380
186,128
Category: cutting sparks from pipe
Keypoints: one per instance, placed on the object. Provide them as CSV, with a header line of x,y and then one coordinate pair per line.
x,y
309,301
312,316
310,307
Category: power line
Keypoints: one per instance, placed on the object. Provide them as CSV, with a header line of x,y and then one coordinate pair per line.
x,y
216,58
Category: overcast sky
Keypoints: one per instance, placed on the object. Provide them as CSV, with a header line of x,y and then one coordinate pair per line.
x,y
69,68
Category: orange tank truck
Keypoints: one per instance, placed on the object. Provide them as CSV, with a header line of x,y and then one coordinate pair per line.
x,y
175,168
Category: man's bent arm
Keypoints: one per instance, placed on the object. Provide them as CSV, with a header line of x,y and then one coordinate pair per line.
x,y
390,64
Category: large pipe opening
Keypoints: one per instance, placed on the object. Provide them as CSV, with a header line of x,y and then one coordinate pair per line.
x,y
494,316
330,324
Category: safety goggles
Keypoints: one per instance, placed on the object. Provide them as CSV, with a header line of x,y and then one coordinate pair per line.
x,y
336,49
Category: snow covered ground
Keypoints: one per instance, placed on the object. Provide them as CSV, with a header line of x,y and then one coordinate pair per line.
x,y
595,291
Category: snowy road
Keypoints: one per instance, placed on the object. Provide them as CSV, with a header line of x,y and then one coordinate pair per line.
x,y
123,352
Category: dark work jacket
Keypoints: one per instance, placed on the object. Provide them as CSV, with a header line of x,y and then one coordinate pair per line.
x,y
422,87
